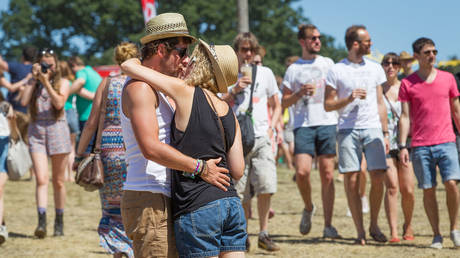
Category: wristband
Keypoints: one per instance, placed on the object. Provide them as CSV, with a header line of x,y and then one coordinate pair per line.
x,y
402,146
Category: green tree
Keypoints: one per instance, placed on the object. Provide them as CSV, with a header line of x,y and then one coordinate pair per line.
x,y
102,24
60,24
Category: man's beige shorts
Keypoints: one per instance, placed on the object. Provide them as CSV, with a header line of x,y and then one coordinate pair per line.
x,y
260,172
147,220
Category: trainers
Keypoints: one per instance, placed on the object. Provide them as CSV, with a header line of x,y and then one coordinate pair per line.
x,y
437,242
3,234
330,232
455,237
305,222
266,243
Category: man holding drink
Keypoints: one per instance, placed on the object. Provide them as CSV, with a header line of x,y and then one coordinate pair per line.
x,y
314,128
354,89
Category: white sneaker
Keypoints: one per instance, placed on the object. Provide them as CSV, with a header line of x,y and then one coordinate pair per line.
x,y
305,222
330,232
437,242
365,204
455,237
3,234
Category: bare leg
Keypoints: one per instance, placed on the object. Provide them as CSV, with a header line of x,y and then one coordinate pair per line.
x,y
431,209
231,255
363,178
452,200
303,168
391,197
406,186
375,198
59,163
3,178
351,184
69,174
263,205
326,171
287,154
40,162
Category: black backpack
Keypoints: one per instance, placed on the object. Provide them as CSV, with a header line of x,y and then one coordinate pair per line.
x,y
245,120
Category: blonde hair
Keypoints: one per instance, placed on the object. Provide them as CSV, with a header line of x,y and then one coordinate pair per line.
x,y
55,80
202,74
66,72
125,51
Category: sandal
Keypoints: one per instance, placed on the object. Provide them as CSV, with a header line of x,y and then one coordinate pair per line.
x,y
407,237
378,237
394,240
360,241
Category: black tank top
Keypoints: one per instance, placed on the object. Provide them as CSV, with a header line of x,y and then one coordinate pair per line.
x,y
202,139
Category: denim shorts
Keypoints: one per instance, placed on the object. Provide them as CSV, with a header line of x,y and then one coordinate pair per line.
x,y
4,141
426,158
219,226
72,120
319,140
353,142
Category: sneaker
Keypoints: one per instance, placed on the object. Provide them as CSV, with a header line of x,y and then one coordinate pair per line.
x,y
266,243
455,237
437,242
305,222
330,232
3,234
365,204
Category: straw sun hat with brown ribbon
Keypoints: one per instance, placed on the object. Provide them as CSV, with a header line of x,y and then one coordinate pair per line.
x,y
166,25
224,63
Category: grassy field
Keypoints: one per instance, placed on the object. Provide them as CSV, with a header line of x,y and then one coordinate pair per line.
x,y
82,216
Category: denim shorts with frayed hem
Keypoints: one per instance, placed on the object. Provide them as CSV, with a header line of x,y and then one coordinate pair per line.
x,y
219,226
353,142
426,158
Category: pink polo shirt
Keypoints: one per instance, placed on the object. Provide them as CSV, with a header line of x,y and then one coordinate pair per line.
x,y
429,104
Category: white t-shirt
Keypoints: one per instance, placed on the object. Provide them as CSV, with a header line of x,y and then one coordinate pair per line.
x,y
346,76
265,87
309,111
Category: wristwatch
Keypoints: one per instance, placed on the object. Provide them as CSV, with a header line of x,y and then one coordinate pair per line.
x,y
402,146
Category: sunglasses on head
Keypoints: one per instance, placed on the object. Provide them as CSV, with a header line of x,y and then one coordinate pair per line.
x,y
435,52
387,63
47,51
314,38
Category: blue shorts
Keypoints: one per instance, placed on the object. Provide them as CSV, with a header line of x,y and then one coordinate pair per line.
x,y
353,142
219,226
319,140
72,120
426,158
4,141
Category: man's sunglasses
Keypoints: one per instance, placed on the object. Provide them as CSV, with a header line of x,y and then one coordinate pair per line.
x,y
181,51
314,38
386,63
435,52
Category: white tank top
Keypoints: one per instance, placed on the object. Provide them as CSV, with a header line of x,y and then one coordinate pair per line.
x,y
143,174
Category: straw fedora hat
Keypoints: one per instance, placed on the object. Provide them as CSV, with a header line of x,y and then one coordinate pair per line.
x,y
405,56
166,25
224,63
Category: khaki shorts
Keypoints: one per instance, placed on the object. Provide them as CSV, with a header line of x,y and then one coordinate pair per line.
x,y
147,219
260,172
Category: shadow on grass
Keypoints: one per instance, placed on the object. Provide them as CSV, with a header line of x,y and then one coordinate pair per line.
x,y
18,235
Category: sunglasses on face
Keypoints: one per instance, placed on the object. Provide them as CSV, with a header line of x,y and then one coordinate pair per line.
x,y
387,63
314,38
246,49
181,51
435,52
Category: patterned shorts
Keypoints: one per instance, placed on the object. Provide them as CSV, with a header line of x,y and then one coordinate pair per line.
x,y
49,136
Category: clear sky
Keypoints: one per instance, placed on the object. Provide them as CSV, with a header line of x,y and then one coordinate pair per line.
x,y
392,24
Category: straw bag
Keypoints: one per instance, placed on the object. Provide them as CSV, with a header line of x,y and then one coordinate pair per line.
x,y
90,172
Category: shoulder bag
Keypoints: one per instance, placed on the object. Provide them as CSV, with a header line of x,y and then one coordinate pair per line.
x,y
90,172
245,120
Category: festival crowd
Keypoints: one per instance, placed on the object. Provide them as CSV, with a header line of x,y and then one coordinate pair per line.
x,y
187,140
